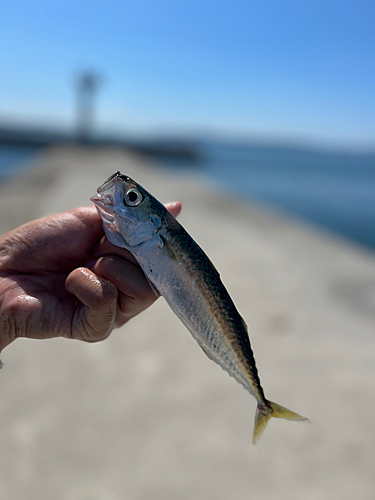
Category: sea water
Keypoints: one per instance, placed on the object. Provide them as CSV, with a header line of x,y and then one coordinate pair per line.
x,y
334,189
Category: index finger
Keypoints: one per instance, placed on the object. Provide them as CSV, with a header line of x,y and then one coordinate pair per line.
x,y
105,247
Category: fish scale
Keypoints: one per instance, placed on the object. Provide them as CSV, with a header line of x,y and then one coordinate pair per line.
x,y
179,270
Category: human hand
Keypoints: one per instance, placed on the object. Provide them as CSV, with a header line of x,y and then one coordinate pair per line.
x,y
59,277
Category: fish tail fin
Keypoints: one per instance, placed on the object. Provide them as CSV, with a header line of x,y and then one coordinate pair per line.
x,y
267,411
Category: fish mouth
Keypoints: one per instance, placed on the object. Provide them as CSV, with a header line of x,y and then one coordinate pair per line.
x,y
105,208
107,193
99,200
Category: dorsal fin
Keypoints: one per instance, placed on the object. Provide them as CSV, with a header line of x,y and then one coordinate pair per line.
x,y
244,323
209,260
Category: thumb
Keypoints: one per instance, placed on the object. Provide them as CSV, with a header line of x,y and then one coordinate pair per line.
x,y
94,317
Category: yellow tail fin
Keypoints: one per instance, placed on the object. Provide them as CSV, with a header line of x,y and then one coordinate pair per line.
x,y
264,413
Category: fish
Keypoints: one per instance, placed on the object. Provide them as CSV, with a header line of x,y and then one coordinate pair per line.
x,y
178,269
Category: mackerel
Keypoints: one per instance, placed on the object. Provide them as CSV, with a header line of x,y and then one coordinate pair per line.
x,y
179,270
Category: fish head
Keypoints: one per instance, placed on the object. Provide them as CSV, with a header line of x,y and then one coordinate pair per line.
x,y
131,215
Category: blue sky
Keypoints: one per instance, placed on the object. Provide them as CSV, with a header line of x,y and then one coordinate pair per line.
x,y
288,69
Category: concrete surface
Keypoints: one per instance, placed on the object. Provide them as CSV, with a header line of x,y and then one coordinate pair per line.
x,y
145,415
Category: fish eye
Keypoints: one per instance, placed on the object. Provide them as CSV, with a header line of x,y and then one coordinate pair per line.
x,y
133,197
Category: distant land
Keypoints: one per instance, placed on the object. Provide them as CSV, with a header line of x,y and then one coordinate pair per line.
x,y
18,136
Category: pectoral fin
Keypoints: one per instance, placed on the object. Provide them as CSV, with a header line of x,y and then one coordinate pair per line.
x,y
170,250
